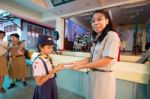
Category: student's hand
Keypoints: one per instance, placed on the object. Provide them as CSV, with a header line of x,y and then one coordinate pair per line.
x,y
11,45
58,68
20,52
68,65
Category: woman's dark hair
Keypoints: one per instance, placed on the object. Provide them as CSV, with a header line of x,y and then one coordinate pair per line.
x,y
15,34
108,27
147,46
3,32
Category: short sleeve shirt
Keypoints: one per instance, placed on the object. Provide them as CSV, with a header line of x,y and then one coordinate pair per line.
x,y
34,56
108,47
38,67
3,50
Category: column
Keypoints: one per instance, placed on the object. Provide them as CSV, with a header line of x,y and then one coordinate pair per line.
x,y
60,27
24,34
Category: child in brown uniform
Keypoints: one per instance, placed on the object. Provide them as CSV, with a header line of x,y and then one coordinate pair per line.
x,y
3,63
17,63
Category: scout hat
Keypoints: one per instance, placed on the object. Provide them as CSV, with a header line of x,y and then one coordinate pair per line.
x,y
44,39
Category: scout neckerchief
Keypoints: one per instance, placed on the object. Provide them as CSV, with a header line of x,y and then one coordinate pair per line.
x,y
51,61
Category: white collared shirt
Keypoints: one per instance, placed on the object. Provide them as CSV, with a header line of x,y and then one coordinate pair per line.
x,y
108,47
38,67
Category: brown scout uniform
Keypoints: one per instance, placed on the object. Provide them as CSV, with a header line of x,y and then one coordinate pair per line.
x,y
17,63
3,61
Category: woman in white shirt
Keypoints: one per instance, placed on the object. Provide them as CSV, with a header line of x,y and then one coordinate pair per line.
x,y
104,53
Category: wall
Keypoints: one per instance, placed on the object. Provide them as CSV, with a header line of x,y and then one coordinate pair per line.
x,y
17,21
72,29
127,33
84,25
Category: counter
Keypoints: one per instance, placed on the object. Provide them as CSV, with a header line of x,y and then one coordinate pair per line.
x,y
134,72
132,78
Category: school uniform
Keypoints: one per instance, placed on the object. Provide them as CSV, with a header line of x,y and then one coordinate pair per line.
x,y
17,63
102,80
41,67
3,60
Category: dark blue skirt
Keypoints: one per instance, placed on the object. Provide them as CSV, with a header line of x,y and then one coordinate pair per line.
x,y
46,91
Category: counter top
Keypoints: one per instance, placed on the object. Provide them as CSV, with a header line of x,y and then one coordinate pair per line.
x,y
123,58
134,72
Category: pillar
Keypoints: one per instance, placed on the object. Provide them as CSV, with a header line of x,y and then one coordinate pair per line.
x,y
60,27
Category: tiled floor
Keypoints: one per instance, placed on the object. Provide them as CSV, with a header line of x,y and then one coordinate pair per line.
x,y
21,92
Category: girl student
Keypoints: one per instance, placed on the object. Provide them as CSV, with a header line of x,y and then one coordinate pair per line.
x,y
44,70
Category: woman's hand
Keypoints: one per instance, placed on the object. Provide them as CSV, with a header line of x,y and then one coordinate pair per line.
x,y
76,66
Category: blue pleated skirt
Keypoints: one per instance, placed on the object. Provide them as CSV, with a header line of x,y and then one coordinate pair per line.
x,y
46,91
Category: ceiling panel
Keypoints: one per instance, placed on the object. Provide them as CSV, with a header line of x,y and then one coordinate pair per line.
x,y
29,4
75,6
81,9
122,14
108,2
127,15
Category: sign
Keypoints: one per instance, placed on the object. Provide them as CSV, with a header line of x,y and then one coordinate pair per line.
x,y
60,2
